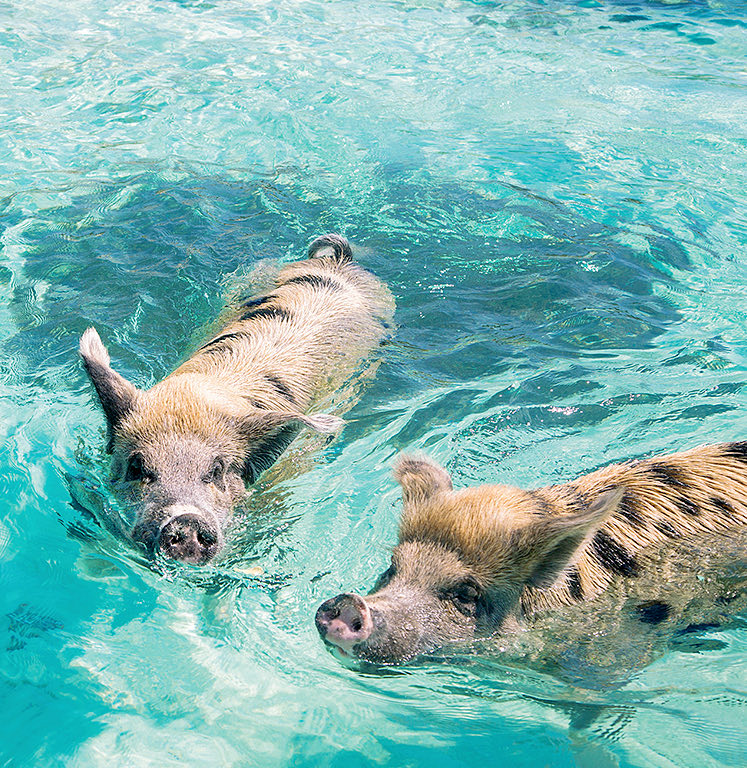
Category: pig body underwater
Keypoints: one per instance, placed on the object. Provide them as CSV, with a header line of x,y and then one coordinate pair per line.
x,y
490,560
183,451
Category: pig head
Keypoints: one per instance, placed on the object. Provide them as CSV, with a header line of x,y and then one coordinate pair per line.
x,y
463,561
183,451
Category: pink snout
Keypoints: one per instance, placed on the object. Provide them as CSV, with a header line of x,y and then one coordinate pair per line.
x,y
344,621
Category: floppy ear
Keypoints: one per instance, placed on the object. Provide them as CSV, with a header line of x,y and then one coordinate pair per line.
x,y
420,478
268,434
116,395
563,535
259,423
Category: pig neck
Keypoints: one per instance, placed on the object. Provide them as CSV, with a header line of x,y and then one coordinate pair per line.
x,y
698,492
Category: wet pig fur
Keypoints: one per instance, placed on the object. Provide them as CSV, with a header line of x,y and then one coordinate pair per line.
x,y
183,451
486,561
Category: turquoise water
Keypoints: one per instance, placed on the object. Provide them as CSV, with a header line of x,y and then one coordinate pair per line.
x,y
555,193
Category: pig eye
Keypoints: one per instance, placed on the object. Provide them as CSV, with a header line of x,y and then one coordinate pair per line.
x,y
137,471
215,475
465,597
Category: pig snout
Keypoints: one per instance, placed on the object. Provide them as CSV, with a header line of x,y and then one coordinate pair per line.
x,y
189,537
344,621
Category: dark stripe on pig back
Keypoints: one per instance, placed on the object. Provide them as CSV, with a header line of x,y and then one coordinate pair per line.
x,y
613,556
269,313
723,506
667,474
252,302
736,451
665,527
687,506
253,309
573,582
629,510
218,340
315,281
281,388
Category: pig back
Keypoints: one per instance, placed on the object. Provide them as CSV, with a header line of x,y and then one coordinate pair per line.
x,y
300,340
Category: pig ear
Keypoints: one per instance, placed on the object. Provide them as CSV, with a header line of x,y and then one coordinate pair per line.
x,y
116,395
420,478
268,434
563,534
260,423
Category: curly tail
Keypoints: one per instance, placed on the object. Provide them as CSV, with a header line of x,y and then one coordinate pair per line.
x,y
332,246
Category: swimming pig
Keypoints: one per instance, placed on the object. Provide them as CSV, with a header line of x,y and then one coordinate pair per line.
x,y
484,561
182,451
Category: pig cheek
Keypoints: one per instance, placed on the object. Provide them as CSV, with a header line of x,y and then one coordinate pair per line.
x,y
129,497
235,488
219,501
397,636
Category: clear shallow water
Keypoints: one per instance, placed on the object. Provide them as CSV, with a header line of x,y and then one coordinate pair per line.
x,y
555,193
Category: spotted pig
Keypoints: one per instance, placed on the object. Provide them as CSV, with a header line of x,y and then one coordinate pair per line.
x,y
489,560
183,451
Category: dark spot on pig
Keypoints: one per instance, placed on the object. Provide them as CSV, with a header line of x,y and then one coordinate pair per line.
x,y
736,451
667,474
251,302
281,388
316,281
612,556
652,612
687,506
573,582
722,506
667,529
628,509
270,313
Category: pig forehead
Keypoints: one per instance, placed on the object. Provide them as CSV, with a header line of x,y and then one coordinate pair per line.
x,y
186,448
428,562
163,425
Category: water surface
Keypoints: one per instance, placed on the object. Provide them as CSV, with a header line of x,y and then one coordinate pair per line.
x,y
553,190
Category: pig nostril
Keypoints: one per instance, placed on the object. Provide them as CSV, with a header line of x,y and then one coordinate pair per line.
x,y
205,539
357,625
